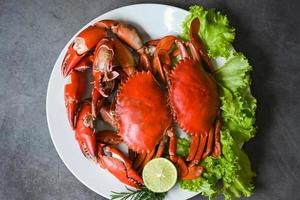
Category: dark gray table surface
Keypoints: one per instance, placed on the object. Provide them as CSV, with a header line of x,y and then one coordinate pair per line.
x,y
32,34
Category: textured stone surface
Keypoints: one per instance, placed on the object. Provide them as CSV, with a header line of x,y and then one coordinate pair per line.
x,y
32,34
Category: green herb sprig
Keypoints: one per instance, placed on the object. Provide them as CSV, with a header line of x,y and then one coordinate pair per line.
x,y
141,194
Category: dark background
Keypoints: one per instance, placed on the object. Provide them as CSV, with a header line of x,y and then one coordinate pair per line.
x,y
32,34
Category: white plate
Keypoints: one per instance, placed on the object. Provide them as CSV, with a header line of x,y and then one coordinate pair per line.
x,y
154,19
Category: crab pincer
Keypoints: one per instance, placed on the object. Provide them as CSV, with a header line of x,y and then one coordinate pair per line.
x,y
119,165
83,43
130,36
84,131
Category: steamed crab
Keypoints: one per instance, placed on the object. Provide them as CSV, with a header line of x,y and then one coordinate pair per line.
x,y
192,75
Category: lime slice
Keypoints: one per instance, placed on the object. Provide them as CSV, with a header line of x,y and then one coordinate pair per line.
x,y
159,175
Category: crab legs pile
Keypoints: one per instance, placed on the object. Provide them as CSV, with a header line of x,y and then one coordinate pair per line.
x,y
141,94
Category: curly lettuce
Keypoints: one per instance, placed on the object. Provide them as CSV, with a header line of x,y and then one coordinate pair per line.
x,y
182,147
237,104
230,174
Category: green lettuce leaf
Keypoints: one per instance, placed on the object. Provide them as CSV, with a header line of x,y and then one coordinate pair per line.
x,y
183,147
237,174
237,104
203,185
234,74
238,114
215,31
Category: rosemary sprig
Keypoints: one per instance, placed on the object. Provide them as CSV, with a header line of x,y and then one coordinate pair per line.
x,y
141,194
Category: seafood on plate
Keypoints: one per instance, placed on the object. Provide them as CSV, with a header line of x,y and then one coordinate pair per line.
x,y
142,95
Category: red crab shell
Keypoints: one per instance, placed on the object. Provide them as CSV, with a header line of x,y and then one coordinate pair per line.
x,y
142,112
194,91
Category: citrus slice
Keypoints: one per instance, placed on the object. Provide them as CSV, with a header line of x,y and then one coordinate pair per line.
x,y
159,175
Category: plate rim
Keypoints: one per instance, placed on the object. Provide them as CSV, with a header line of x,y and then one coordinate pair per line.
x,y
51,77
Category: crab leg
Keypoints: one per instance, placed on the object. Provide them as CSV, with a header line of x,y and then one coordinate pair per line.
x,y
161,55
183,52
194,52
148,157
84,42
217,148
131,154
97,100
154,153
198,44
209,143
185,172
193,147
162,62
172,145
203,140
152,42
139,160
161,148
130,36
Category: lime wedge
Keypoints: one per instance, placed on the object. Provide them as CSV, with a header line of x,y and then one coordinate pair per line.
x,y
159,175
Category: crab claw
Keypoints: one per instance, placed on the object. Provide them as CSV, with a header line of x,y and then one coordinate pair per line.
x,y
85,63
125,32
73,92
188,172
103,72
83,43
130,36
124,57
120,165
103,65
84,132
